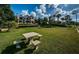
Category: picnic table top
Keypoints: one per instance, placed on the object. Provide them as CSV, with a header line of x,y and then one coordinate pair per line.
x,y
31,34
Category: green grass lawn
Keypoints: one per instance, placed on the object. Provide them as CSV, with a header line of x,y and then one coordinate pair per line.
x,y
54,40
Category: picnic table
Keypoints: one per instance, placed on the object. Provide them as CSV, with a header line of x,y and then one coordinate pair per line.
x,y
31,35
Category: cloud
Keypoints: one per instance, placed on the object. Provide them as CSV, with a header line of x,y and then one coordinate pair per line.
x,y
55,5
43,8
65,5
64,12
55,8
76,9
33,14
50,5
39,11
58,10
24,12
61,11
46,15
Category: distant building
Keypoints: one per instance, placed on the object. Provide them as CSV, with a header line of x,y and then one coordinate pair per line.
x,y
25,19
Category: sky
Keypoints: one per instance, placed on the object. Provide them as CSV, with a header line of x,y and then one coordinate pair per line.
x,y
44,10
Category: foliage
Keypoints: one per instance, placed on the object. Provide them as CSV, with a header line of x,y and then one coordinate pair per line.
x,y
58,16
45,21
6,15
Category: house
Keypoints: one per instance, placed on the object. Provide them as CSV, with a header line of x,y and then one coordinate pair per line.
x,y
25,19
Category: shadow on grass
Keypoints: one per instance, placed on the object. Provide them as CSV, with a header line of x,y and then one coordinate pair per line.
x,y
29,51
4,31
12,49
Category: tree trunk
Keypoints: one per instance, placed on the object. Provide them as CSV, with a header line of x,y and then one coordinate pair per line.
x,y
9,26
58,21
0,28
76,19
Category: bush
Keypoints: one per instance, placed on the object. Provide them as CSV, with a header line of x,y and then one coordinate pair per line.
x,y
14,24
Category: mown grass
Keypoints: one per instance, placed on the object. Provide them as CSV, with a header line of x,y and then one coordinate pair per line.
x,y
54,40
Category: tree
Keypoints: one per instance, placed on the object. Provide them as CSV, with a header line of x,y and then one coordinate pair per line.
x,y
58,16
39,21
75,12
0,17
51,20
6,14
68,19
63,21
0,23
45,21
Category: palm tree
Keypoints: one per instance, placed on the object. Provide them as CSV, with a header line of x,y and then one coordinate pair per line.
x,y
58,16
75,12
51,19
68,19
63,21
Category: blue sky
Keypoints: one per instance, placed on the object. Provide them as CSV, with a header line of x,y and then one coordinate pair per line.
x,y
46,9
17,8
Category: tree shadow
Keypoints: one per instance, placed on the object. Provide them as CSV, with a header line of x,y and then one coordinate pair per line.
x,y
29,51
12,49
